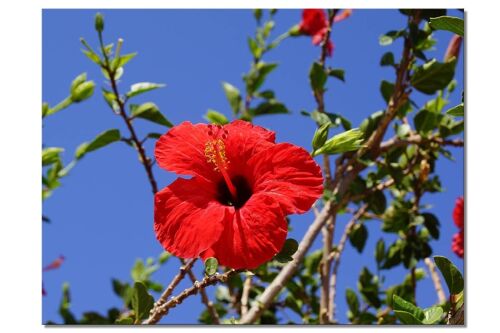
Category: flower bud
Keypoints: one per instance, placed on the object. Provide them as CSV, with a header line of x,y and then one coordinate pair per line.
x,y
82,91
99,22
320,136
453,48
295,31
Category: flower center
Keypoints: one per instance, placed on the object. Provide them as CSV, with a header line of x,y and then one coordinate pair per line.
x,y
215,152
225,197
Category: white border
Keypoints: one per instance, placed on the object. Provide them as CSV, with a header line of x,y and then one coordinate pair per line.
x,y
20,130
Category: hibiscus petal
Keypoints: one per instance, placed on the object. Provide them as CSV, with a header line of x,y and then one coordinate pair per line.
x,y
182,150
188,218
243,141
254,236
288,174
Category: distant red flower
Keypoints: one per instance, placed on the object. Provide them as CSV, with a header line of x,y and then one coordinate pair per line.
x,y
53,265
458,212
346,13
315,24
243,186
457,243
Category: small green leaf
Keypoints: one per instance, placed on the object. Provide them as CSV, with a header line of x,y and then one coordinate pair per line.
x,y
451,274
352,301
433,76
51,155
403,130
269,107
149,111
380,251
254,48
390,37
122,60
233,96
377,202
92,56
343,142
432,224
387,59
407,318
337,73
211,265
164,257
400,304
432,315
257,76
317,77
426,121
456,111
124,321
287,251
142,301
358,237
448,23
320,136
386,88
103,139
142,87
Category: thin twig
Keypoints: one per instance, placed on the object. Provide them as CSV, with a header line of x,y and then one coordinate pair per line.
x,y
336,256
247,285
204,298
176,280
158,312
436,280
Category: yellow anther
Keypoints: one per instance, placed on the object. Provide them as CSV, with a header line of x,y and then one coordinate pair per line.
x,y
215,152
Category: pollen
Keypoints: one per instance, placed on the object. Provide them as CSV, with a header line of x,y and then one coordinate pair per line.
x,y
215,152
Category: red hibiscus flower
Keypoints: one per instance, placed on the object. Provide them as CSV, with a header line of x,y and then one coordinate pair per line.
x,y
243,185
457,243
315,23
458,212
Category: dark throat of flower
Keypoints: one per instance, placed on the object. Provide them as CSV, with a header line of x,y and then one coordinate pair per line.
x,y
215,152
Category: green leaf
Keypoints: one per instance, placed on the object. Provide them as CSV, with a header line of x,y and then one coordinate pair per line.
x,y
407,318
320,136
432,224
426,121
400,304
433,76
122,60
451,274
257,76
352,301
51,155
432,315
103,139
343,142
457,111
358,237
387,59
369,124
142,87
124,321
164,257
380,251
386,88
377,202
287,251
64,306
142,302
92,56
211,265
254,48
311,262
149,111
390,37
233,96
269,107
448,23
317,77
337,73
403,130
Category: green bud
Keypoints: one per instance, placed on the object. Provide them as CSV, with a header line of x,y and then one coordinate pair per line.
x,y
82,91
78,80
341,143
99,22
295,31
320,136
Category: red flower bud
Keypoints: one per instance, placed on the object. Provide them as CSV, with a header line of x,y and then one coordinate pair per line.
x,y
453,48
458,212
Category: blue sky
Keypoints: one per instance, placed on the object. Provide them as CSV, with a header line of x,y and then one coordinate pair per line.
x,y
102,214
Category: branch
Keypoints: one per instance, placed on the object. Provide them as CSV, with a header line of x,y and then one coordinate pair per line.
x,y
336,256
436,280
287,272
417,139
158,312
245,294
177,279
204,298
